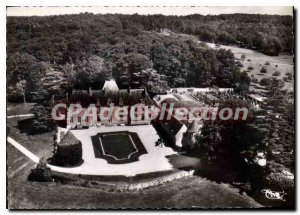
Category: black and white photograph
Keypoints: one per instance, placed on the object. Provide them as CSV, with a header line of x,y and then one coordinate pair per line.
x,y
135,107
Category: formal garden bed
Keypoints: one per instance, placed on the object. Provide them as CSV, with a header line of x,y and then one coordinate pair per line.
x,y
118,147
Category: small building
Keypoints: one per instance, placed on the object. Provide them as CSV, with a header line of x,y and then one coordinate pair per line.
x,y
171,131
189,137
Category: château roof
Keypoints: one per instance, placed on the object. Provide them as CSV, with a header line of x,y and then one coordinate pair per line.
x,y
110,85
193,127
128,97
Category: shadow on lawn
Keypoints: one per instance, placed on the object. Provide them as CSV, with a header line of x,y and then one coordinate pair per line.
x,y
31,127
221,173
25,126
253,185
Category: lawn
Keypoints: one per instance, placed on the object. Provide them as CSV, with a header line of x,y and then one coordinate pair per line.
x,y
18,109
283,63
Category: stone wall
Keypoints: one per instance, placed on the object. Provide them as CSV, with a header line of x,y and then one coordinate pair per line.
x,y
123,186
160,180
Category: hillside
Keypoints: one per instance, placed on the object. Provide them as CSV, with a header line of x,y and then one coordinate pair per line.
x,y
83,50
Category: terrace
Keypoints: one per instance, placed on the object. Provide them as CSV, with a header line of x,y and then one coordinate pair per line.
x,y
148,158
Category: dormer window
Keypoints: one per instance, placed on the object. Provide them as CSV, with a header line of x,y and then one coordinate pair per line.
x,y
121,103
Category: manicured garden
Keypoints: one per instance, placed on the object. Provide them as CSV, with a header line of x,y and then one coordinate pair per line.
x,y
118,147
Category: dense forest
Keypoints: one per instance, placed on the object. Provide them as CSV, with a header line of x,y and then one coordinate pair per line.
x,y
48,55
269,34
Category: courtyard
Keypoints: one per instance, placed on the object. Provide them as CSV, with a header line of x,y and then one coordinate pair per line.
x,y
130,154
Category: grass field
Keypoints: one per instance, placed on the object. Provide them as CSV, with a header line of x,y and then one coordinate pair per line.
x,y
18,109
283,63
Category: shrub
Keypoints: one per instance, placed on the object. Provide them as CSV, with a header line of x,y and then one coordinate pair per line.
x,y
276,73
267,63
41,172
250,68
249,60
289,75
252,76
239,64
68,151
280,83
276,65
263,70
243,57
254,80
265,82
279,181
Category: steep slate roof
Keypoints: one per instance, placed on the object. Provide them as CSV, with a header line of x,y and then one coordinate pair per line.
x,y
110,85
111,91
173,126
132,97
193,127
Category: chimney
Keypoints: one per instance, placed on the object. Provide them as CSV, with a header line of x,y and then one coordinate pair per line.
x,y
90,91
67,96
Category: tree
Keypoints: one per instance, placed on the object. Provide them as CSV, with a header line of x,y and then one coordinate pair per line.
x,y
243,57
19,65
254,80
42,121
127,66
209,139
250,68
263,70
276,73
21,87
234,142
91,72
265,82
41,172
280,115
289,75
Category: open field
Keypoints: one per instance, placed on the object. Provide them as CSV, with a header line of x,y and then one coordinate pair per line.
x,y
283,63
